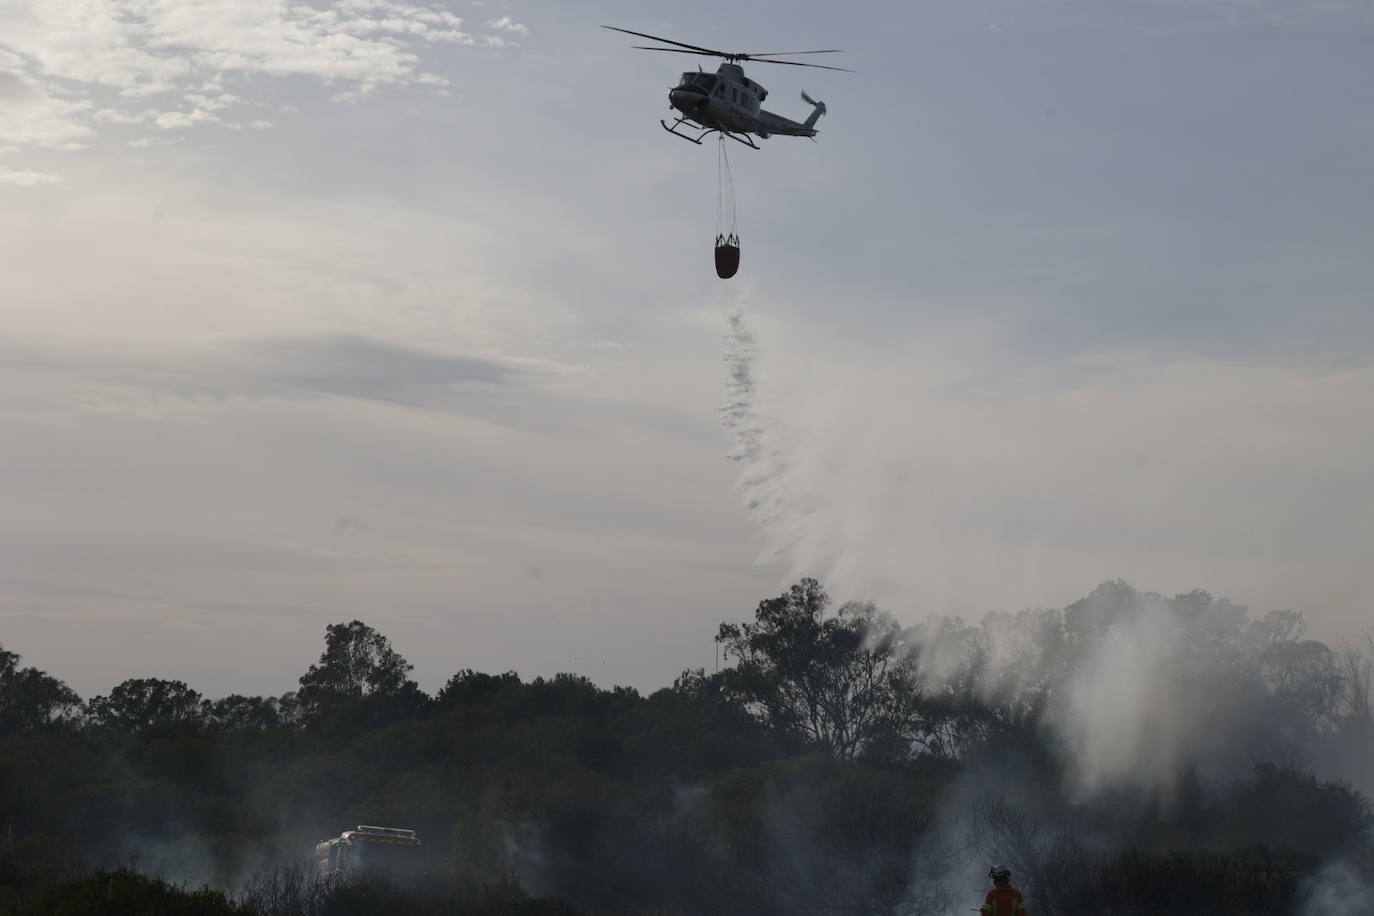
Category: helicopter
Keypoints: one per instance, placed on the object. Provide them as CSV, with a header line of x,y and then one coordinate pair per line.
x,y
727,102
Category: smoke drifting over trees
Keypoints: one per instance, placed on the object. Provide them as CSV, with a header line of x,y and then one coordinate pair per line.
x,y
1171,755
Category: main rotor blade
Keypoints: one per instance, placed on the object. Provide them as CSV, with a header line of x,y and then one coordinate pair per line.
x,y
678,51
789,53
745,57
668,41
795,63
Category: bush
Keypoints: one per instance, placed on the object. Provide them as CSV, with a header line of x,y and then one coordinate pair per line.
x,y
125,893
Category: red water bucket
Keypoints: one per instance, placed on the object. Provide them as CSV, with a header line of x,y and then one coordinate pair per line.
x,y
727,256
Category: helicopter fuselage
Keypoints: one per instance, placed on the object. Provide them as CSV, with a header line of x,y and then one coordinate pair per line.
x,y
730,102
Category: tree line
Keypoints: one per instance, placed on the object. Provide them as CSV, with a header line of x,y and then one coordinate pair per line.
x,y
839,762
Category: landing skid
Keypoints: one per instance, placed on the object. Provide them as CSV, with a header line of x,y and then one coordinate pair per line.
x,y
705,132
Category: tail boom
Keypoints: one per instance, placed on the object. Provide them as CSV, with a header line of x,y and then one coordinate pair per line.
x,y
777,124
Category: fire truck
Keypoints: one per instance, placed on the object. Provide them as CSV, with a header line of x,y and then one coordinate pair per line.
x,y
394,850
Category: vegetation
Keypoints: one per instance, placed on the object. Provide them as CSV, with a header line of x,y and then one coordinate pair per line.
x,y
840,763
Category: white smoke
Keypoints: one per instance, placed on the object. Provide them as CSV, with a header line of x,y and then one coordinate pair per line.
x,y
1125,718
935,489
930,475
1337,888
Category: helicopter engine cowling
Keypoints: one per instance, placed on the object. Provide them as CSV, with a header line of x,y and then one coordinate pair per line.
x,y
688,99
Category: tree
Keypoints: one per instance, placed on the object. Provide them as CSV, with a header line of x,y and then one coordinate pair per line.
x,y
237,713
1302,677
847,683
1295,810
139,702
1356,664
472,688
31,699
358,664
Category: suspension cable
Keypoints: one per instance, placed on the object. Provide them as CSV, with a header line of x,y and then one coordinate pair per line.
x,y
720,190
725,189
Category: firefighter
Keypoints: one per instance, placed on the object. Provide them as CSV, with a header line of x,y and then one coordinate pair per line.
x,y
1002,898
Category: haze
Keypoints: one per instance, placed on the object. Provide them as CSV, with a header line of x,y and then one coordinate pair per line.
x,y
405,312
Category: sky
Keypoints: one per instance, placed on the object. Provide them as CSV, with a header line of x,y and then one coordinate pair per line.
x,y
406,312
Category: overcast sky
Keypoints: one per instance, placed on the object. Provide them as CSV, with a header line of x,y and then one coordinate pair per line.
x,y
406,312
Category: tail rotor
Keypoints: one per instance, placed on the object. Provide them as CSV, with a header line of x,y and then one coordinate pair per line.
x,y
817,109
819,106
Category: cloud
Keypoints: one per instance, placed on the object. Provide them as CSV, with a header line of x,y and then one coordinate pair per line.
x,y
360,367
31,114
102,42
507,24
144,48
213,103
118,116
171,120
287,368
149,142
27,179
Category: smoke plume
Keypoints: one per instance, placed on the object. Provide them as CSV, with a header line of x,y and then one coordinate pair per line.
x,y
940,492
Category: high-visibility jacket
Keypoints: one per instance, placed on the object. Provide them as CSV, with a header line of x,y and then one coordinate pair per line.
x,y
1004,900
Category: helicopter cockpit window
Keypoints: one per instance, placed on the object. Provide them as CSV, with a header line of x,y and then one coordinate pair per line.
x,y
704,81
